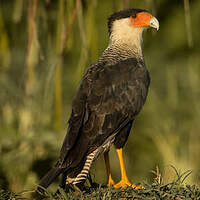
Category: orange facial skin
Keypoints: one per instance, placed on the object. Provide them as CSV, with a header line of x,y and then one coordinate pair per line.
x,y
141,20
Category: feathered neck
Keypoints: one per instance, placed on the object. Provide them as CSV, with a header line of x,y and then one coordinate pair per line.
x,y
125,42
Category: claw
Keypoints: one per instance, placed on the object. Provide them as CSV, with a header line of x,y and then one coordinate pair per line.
x,y
122,184
110,182
137,187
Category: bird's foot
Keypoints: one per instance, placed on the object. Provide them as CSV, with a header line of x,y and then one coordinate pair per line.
x,y
122,184
126,183
110,182
137,187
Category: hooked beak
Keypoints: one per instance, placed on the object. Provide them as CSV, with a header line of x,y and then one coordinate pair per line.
x,y
154,23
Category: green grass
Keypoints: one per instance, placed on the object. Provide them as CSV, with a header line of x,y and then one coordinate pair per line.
x,y
151,192
158,190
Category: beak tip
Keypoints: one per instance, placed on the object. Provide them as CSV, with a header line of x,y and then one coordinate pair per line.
x,y
154,23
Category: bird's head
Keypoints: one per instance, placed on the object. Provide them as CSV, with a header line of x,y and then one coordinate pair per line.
x,y
126,26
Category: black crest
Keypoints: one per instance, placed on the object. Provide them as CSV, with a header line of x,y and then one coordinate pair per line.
x,y
123,14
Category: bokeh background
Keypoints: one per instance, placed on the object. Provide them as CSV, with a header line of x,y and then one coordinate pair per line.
x,y
45,47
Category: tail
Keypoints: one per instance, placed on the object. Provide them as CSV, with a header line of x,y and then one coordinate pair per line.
x,y
50,176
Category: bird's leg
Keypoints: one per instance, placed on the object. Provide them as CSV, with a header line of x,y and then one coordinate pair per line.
x,y
124,179
107,162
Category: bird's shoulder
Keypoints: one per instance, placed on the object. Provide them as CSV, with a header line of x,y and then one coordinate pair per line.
x,y
123,79
105,84
105,74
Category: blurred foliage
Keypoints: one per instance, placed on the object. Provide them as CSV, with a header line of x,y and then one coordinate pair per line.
x,y
45,47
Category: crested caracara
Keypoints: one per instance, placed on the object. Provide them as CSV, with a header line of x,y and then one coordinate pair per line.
x,y
110,95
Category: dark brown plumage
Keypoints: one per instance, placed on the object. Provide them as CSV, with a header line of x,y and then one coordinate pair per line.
x,y
111,94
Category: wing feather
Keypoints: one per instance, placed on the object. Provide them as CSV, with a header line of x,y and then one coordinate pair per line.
x,y
109,97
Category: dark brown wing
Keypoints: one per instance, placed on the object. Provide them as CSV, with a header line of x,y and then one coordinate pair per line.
x,y
117,95
80,113
108,97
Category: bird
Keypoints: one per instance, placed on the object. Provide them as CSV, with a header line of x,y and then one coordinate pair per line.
x,y
110,95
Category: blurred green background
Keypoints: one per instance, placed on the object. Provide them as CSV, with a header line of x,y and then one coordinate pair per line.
x,y
45,47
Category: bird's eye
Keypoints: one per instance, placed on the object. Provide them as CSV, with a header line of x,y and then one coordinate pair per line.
x,y
133,16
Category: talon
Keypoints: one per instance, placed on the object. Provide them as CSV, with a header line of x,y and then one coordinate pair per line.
x,y
122,184
110,182
137,187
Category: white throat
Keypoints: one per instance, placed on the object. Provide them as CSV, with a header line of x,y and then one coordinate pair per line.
x,y
124,34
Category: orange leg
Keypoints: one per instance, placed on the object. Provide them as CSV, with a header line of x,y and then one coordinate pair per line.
x,y
124,179
107,162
